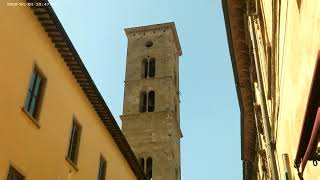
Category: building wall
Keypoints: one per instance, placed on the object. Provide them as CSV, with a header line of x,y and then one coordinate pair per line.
x,y
153,134
299,42
298,49
164,53
39,153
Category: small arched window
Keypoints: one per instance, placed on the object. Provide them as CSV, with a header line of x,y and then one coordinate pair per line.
x,y
147,101
151,101
149,68
149,168
145,65
152,67
142,163
143,102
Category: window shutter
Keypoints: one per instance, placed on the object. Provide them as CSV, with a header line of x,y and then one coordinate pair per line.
x,y
102,169
29,96
74,142
35,89
36,97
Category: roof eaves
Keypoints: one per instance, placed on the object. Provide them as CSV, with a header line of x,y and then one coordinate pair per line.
x,y
247,172
234,66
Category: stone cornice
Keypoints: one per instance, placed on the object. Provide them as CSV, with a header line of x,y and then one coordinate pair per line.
x,y
164,113
157,27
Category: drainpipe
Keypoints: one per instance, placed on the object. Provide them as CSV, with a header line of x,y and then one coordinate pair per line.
x,y
264,110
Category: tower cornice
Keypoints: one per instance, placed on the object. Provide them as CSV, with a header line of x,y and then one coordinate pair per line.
x,y
156,27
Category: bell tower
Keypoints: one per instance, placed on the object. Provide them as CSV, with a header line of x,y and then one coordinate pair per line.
x,y
151,110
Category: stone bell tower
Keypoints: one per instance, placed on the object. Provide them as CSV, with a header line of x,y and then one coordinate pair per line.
x,y
151,111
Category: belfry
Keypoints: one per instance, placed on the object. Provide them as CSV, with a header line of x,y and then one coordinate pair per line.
x,y
151,109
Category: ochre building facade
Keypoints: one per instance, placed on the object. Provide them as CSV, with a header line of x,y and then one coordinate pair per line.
x,y
274,48
54,123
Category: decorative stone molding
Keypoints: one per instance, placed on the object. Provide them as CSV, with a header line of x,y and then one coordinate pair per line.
x,y
154,28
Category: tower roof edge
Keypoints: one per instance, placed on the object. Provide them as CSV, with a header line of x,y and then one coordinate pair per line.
x,y
169,25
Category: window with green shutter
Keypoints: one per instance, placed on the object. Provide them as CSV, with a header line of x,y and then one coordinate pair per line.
x,y
34,95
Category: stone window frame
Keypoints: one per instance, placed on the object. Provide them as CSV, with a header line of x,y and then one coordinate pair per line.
x,y
145,104
146,163
148,68
148,44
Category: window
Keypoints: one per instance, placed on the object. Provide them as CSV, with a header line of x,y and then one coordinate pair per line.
x,y
151,101
35,91
145,68
13,174
142,163
148,44
152,67
143,102
147,101
149,168
102,169
74,142
149,68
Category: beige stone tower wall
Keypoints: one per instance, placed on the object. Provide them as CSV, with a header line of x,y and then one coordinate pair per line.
x,y
154,134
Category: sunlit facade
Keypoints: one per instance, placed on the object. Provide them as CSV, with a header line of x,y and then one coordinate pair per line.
x,y
274,47
55,124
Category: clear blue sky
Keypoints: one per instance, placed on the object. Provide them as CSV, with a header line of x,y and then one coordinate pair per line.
x,y
210,118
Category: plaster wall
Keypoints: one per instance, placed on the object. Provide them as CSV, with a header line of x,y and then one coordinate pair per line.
x,y
299,43
39,152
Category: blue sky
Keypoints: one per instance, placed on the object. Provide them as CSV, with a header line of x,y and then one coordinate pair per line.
x,y
210,119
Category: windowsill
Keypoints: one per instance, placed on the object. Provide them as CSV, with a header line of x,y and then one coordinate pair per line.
x,y
74,166
33,120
